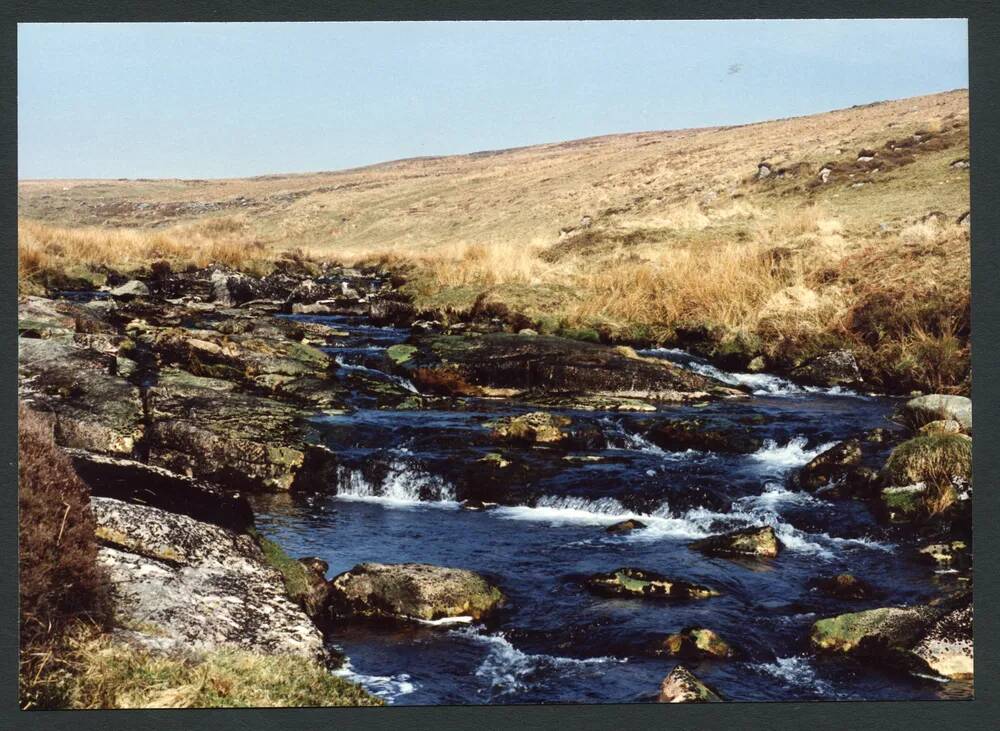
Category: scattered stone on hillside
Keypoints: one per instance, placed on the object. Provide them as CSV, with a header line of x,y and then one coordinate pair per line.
x,y
131,288
695,642
197,586
626,526
964,219
763,170
961,163
638,583
760,542
538,427
527,332
836,368
136,482
936,407
681,686
866,155
704,436
824,174
412,592
830,465
844,586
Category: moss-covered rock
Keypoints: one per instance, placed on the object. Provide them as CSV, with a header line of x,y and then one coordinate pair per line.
x,y
759,542
412,592
931,458
681,686
886,630
631,582
538,427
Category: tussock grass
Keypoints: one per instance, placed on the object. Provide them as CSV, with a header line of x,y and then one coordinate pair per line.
x,y
48,254
941,462
116,675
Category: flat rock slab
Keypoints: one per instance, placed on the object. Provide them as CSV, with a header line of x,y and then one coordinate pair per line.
x,y
196,586
504,364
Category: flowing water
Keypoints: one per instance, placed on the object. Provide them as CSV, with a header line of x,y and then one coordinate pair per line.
x,y
398,494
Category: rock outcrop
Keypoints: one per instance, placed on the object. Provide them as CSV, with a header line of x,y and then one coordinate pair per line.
x,y
703,436
191,585
402,592
935,407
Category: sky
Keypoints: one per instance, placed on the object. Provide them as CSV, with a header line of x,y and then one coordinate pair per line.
x,y
188,100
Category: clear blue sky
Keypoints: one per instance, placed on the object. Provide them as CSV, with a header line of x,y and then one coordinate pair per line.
x,y
222,100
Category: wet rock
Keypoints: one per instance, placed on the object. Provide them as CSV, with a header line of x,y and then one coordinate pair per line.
x,y
748,542
681,686
230,289
412,591
93,409
838,368
703,436
626,526
830,465
511,365
538,427
638,583
131,288
136,482
935,407
696,642
844,586
197,586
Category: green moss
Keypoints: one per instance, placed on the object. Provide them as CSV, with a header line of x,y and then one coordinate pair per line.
x,y
295,575
399,354
586,334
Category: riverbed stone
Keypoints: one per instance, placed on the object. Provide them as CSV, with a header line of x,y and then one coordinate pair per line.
x,y
681,686
412,591
844,586
830,465
625,526
630,582
696,642
756,542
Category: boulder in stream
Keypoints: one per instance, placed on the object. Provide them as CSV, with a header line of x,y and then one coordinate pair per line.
x,y
935,407
681,686
760,542
695,642
830,465
412,591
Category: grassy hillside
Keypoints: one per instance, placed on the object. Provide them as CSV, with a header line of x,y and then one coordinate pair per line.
x,y
646,237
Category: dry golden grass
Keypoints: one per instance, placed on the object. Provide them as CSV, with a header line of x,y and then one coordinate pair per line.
x,y
645,232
